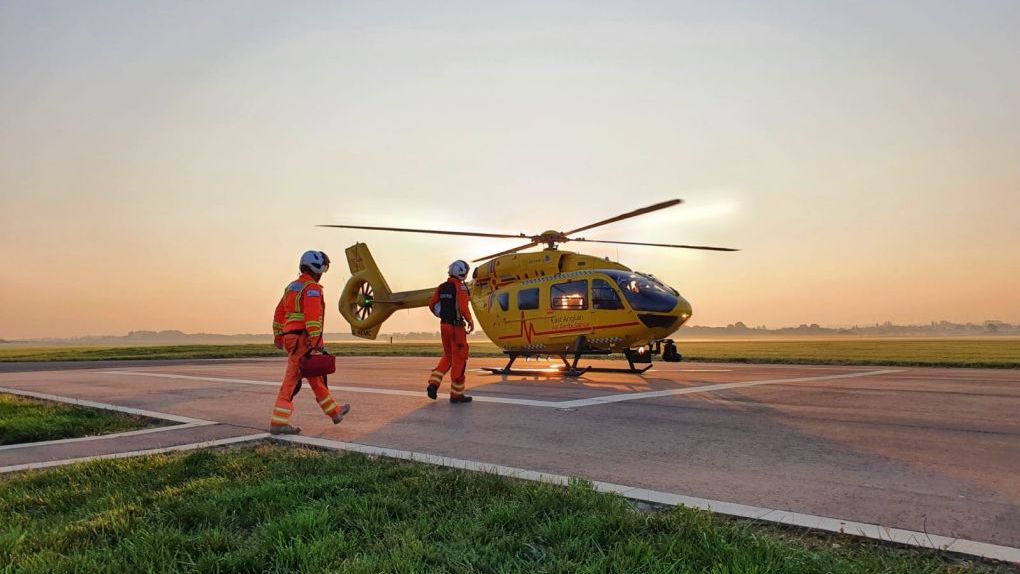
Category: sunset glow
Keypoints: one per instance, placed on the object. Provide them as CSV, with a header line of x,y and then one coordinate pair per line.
x,y
164,164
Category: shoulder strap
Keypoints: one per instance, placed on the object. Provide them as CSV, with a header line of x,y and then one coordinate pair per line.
x,y
297,298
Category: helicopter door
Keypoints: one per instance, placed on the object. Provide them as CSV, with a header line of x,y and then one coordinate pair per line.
x,y
519,327
608,310
569,313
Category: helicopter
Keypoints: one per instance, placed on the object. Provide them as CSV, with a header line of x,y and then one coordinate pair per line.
x,y
542,303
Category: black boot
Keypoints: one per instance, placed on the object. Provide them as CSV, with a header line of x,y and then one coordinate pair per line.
x,y
460,399
432,391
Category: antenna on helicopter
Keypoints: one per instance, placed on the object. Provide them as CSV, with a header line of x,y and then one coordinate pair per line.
x,y
551,238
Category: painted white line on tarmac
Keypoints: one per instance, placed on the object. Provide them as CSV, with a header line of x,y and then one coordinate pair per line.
x,y
690,370
863,529
134,453
571,404
107,436
710,388
369,389
109,407
805,366
486,371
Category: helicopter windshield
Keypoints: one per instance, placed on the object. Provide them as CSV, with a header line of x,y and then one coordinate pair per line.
x,y
644,293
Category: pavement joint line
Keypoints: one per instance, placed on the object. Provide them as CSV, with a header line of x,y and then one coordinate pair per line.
x,y
134,453
107,436
835,525
109,407
576,403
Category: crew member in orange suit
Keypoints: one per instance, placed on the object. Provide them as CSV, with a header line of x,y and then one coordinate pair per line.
x,y
450,304
297,327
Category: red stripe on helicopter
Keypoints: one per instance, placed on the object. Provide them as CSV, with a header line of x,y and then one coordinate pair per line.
x,y
531,332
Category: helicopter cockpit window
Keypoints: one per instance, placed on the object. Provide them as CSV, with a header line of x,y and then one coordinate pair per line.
x,y
527,299
603,296
644,293
504,301
571,296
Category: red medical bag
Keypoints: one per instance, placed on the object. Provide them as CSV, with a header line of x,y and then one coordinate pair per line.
x,y
318,365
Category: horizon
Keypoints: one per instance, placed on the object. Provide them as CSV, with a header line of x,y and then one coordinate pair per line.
x,y
165,164
740,325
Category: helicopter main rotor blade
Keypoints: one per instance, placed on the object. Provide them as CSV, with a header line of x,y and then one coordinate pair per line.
x,y
703,247
629,214
507,252
434,231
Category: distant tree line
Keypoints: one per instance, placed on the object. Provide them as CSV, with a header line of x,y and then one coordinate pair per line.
x,y
886,329
738,329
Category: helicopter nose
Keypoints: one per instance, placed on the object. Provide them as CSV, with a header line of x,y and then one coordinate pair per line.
x,y
683,309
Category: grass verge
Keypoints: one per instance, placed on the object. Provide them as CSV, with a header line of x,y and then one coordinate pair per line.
x,y
30,420
279,509
986,353
933,352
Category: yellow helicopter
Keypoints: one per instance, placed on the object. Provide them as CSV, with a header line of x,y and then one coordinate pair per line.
x,y
544,303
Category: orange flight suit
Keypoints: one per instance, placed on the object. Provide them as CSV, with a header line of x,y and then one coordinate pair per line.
x,y
455,312
297,327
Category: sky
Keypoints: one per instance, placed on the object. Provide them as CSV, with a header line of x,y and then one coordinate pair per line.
x,y
163,164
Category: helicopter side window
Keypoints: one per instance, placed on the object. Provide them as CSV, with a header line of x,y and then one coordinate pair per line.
x,y
527,299
504,301
603,296
571,296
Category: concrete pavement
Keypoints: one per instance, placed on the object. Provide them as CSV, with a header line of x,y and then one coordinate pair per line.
x,y
930,450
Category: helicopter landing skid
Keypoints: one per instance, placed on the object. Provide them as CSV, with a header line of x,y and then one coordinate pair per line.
x,y
551,372
566,370
563,371
570,369
630,371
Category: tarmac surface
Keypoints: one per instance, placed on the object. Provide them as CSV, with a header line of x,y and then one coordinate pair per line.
x,y
930,450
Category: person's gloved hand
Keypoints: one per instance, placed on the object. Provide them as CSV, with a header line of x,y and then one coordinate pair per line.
x,y
470,328
278,341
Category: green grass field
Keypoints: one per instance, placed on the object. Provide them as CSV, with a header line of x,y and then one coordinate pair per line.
x,y
973,352
285,509
29,420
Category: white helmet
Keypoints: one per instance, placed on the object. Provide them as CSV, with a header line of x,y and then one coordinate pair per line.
x,y
459,269
315,261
